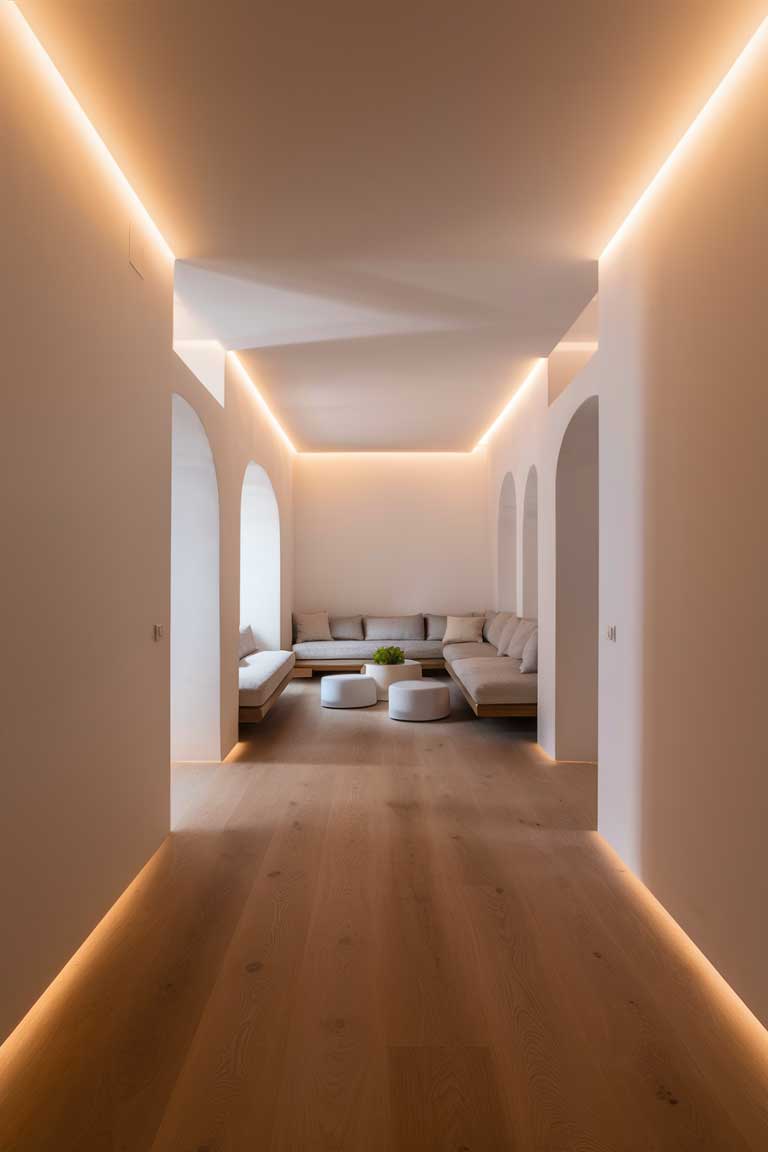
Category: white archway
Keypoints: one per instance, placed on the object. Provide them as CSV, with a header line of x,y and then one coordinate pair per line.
x,y
506,588
531,546
260,558
576,603
195,647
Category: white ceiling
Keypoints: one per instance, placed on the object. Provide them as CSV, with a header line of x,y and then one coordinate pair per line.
x,y
392,208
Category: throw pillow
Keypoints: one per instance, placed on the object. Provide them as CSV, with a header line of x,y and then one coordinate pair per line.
x,y
463,630
311,626
346,627
494,629
507,632
521,634
435,625
247,644
394,627
530,659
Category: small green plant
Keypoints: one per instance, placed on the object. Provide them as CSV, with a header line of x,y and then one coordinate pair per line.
x,y
393,655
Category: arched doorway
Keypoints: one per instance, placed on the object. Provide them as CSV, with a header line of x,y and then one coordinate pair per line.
x,y
260,558
531,547
195,650
576,604
506,590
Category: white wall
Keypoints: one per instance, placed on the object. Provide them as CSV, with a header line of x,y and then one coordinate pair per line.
x,y
195,592
531,437
85,486
392,533
684,477
576,586
260,558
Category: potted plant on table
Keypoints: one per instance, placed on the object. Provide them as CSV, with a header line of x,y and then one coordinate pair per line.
x,y
392,655
389,665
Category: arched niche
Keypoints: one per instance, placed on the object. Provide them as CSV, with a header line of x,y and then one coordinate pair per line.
x,y
530,603
195,615
506,590
576,573
260,558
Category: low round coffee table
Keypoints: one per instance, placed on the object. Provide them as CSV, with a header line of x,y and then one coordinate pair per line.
x,y
386,674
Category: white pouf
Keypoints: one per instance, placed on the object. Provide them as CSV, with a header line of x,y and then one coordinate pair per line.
x,y
419,700
387,674
350,690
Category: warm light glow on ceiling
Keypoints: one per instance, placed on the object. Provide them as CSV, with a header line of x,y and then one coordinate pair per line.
x,y
30,44
505,412
262,402
576,346
37,54
725,87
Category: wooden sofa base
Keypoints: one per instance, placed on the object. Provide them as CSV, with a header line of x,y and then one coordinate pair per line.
x,y
307,667
256,714
491,710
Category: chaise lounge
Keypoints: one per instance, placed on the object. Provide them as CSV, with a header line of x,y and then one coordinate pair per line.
x,y
262,677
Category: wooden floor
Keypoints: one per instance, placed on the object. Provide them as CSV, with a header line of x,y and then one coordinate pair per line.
x,y
368,935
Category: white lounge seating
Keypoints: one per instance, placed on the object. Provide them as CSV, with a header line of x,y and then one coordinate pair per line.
x,y
262,676
419,700
349,690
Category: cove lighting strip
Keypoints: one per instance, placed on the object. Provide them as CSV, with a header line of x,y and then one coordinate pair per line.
x,y
502,416
262,402
754,45
66,97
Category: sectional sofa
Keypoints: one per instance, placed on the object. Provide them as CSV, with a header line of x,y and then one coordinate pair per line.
x,y
489,670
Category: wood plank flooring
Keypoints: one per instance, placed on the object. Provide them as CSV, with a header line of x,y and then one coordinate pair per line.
x,y
371,936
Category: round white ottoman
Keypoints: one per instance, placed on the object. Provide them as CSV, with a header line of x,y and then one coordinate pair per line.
x,y
419,700
350,690
386,675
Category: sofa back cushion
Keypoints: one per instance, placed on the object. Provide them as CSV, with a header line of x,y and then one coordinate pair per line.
x,y
507,632
311,626
435,625
495,623
247,643
464,630
346,627
517,641
530,658
394,627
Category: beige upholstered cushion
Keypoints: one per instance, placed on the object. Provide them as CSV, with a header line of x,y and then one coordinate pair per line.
x,y
394,627
462,651
347,627
261,674
464,630
311,626
496,681
507,632
517,642
348,650
530,658
496,625
247,642
435,625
